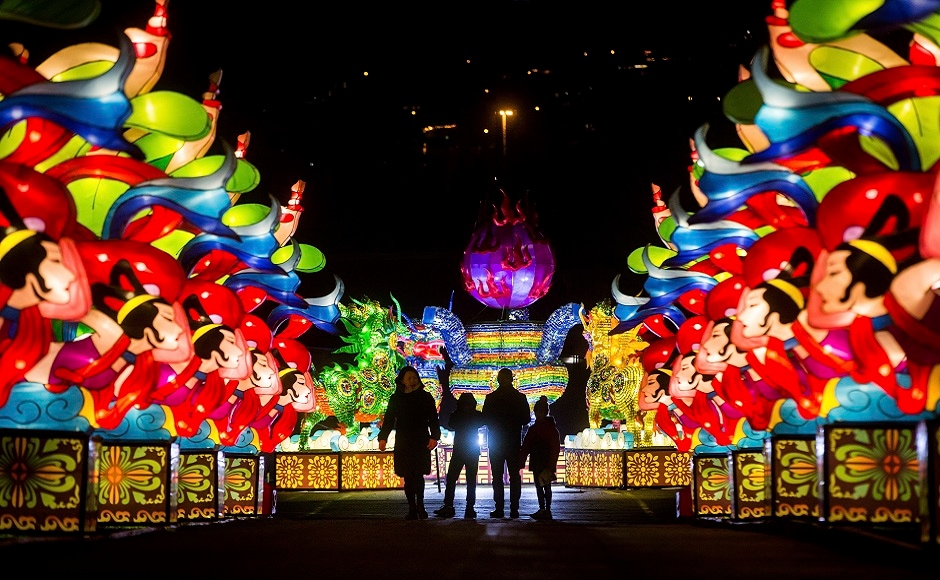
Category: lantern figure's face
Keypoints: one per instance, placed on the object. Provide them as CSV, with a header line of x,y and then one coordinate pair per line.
x,y
508,262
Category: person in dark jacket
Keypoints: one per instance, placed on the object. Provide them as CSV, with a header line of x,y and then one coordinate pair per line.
x,y
506,412
412,413
465,421
541,445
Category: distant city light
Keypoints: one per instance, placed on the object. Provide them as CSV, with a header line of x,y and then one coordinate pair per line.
x,y
504,113
431,128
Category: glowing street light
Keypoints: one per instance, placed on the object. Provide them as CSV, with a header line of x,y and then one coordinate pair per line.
x,y
504,113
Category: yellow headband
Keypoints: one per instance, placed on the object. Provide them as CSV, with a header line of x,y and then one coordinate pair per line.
x,y
12,240
131,304
202,330
789,289
664,371
878,252
285,372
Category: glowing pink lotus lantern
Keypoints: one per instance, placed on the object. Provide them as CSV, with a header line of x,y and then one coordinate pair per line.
x,y
508,262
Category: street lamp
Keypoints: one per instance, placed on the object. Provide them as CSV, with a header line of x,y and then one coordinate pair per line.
x,y
504,113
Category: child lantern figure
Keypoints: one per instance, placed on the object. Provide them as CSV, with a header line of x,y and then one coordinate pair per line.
x,y
542,447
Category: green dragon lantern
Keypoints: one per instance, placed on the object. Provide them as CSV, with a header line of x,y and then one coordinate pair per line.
x,y
358,393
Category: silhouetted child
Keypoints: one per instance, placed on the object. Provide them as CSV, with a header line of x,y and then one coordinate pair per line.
x,y
465,421
541,446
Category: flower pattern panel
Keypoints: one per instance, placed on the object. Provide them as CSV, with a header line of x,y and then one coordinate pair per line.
x,y
41,482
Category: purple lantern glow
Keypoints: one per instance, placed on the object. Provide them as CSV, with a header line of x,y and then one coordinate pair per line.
x,y
508,262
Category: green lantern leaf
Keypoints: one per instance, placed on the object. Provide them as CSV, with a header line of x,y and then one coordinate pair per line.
x,y
170,113
839,66
93,197
311,258
246,176
245,214
920,116
85,70
158,149
245,179
820,181
173,242
666,228
742,102
655,254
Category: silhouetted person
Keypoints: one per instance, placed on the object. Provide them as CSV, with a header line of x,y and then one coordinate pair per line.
x,y
465,421
541,446
412,413
506,412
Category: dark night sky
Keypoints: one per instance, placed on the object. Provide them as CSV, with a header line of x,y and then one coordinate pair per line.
x,y
393,219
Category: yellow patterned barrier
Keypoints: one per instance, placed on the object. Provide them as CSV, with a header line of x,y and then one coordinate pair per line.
x,y
711,485
244,484
873,473
793,475
137,484
368,470
349,471
657,467
630,468
594,468
335,471
48,482
201,487
307,471
751,497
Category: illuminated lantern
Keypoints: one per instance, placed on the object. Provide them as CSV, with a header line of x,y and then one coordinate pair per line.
x,y
508,262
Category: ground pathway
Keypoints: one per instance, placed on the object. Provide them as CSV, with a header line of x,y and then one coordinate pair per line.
x,y
596,533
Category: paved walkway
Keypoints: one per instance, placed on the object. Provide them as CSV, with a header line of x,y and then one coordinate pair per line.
x,y
597,533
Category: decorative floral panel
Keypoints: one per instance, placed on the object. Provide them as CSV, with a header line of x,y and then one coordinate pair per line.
x,y
794,479
241,481
306,471
200,486
135,483
657,467
593,468
749,474
711,483
872,473
368,471
46,484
